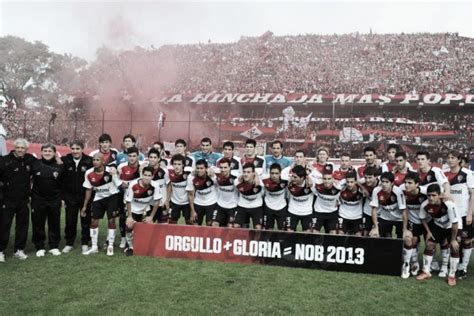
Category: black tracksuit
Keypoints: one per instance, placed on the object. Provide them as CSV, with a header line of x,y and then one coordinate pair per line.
x,y
73,195
15,178
46,202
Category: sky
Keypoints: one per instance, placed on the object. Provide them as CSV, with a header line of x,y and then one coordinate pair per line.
x,y
80,27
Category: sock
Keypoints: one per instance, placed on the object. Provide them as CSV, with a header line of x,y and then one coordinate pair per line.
x,y
427,263
444,259
453,264
414,256
129,237
111,236
407,255
466,255
94,236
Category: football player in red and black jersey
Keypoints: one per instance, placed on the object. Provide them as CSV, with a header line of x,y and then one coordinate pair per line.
x,y
180,148
275,208
204,199
228,152
402,167
250,156
179,191
344,168
227,196
370,183
441,225
140,196
110,154
250,203
351,201
159,180
389,165
300,200
104,182
370,156
326,204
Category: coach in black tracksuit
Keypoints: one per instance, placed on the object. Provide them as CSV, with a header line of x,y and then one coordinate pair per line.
x,y
15,169
46,198
75,166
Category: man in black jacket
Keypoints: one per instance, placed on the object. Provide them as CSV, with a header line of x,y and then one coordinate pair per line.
x,y
46,201
15,170
75,166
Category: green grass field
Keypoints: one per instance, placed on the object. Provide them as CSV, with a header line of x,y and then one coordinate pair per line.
x,y
77,284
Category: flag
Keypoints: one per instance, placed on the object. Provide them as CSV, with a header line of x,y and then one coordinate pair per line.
x,y
253,132
161,120
350,134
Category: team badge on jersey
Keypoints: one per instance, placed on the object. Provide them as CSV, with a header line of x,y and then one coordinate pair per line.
x,y
255,190
106,178
392,198
232,165
428,178
185,176
150,192
38,173
306,190
208,183
55,174
83,169
382,198
255,163
69,169
27,168
282,185
460,177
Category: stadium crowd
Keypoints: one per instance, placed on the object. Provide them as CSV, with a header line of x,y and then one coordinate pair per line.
x,y
374,199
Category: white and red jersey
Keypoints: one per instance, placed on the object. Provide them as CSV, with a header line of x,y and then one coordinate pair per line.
x,y
275,194
399,177
443,215
103,184
368,199
257,161
179,187
159,180
361,170
434,175
340,174
413,203
205,192
235,165
388,166
250,194
390,204
286,173
227,193
128,173
110,157
318,169
351,204
300,199
327,199
142,197
460,183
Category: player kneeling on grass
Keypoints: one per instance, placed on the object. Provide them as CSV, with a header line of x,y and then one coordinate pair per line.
x,y
104,182
441,224
413,227
351,202
250,199
140,195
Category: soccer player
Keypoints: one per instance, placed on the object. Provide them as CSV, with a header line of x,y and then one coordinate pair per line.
x,y
109,154
413,227
206,152
351,202
299,159
250,198
276,157
15,170
46,201
401,168
75,166
178,192
344,168
322,162
371,182
203,197
128,171
159,180
104,181
388,205
300,200
429,174
389,165
461,182
326,204
180,148
128,141
250,156
275,207
370,157
227,195
441,225
141,194
235,165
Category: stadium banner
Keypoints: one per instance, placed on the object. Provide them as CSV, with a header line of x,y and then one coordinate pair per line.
x,y
322,99
304,250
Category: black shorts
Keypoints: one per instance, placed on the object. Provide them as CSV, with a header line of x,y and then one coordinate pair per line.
x,y
100,207
224,216
244,214
292,220
161,215
367,221
122,209
440,234
351,226
138,217
176,210
327,220
386,228
270,216
416,229
466,231
207,210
